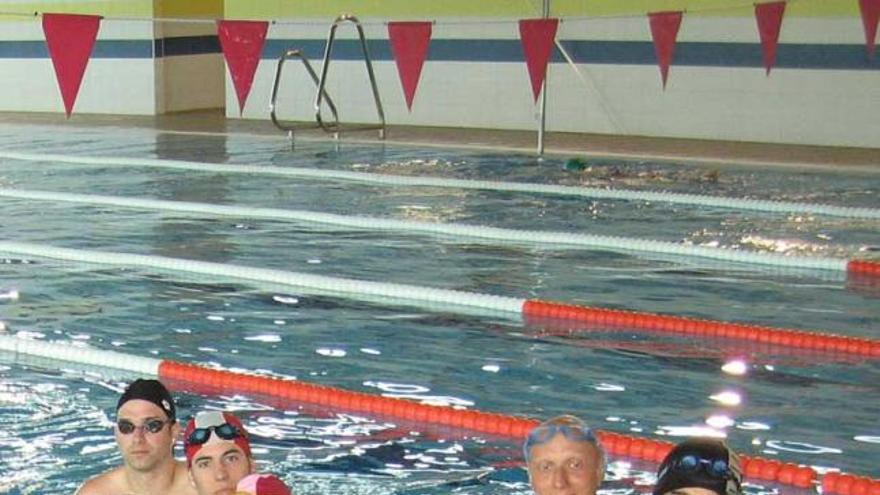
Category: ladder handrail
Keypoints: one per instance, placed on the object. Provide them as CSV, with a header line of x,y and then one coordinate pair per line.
x,y
272,103
336,127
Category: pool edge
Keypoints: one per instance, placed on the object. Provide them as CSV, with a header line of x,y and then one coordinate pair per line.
x,y
693,151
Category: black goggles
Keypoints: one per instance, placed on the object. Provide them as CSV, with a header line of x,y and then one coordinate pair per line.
x,y
715,468
718,469
201,435
695,468
154,426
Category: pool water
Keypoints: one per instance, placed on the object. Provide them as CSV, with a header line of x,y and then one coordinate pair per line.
x,y
55,420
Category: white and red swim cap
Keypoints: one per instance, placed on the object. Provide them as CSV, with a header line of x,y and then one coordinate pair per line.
x,y
214,426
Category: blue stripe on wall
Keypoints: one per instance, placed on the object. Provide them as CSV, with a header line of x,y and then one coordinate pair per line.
x,y
789,56
187,45
23,49
102,49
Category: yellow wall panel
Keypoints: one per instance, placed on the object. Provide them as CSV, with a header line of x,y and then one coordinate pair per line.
x,y
402,9
120,8
390,9
701,7
207,9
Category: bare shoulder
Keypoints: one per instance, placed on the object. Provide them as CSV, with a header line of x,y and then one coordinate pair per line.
x,y
109,482
182,484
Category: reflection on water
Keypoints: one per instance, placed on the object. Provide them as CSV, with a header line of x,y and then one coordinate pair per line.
x,y
55,421
45,425
192,238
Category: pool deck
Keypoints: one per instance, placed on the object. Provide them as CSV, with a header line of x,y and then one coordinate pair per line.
x,y
717,153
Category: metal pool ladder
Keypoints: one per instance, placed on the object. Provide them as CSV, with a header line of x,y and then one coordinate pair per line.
x,y
289,128
334,127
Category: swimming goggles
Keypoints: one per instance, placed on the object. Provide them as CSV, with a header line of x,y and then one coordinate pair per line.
x,y
718,469
201,435
154,426
546,432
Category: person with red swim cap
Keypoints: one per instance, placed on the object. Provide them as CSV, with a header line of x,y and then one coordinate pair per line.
x,y
218,454
261,484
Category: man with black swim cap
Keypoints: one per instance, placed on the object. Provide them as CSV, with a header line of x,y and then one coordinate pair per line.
x,y
699,466
145,431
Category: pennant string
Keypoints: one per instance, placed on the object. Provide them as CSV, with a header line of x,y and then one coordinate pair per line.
x,y
443,22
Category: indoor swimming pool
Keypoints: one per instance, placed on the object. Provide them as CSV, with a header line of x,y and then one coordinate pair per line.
x,y
808,407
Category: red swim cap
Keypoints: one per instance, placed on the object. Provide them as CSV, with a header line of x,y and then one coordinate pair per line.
x,y
261,484
223,426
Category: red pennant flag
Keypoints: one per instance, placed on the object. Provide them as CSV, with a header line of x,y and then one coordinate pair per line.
x,y
664,30
70,39
537,36
870,14
409,45
242,43
769,17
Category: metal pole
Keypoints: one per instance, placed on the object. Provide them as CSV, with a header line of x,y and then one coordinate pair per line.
x,y
545,13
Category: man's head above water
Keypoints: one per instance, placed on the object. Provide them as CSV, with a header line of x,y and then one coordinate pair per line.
x,y
218,452
699,466
563,456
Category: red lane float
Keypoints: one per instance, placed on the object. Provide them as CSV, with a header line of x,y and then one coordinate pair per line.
x,y
613,318
295,391
646,449
756,468
706,348
848,484
863,267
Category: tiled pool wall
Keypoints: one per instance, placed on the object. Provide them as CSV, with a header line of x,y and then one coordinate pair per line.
x,y
823,90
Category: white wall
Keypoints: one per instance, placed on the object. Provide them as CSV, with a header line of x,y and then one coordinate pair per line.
x,y
118,86
127,86
801,106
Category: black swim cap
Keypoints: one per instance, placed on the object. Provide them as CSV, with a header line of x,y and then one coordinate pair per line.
x,y
150,391
700,463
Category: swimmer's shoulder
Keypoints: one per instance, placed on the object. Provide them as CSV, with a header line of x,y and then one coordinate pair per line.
x,y
110,482
182,484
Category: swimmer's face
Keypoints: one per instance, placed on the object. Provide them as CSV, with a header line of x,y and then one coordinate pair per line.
x,y
141,450
218,467
565,467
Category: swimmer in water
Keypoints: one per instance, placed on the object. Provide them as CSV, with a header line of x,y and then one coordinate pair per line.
x,y
699,466
145,432
563,456
218,453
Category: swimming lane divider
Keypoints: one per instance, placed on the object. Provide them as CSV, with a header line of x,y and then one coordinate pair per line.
x,y
181,375
863,268
431,298
486,185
